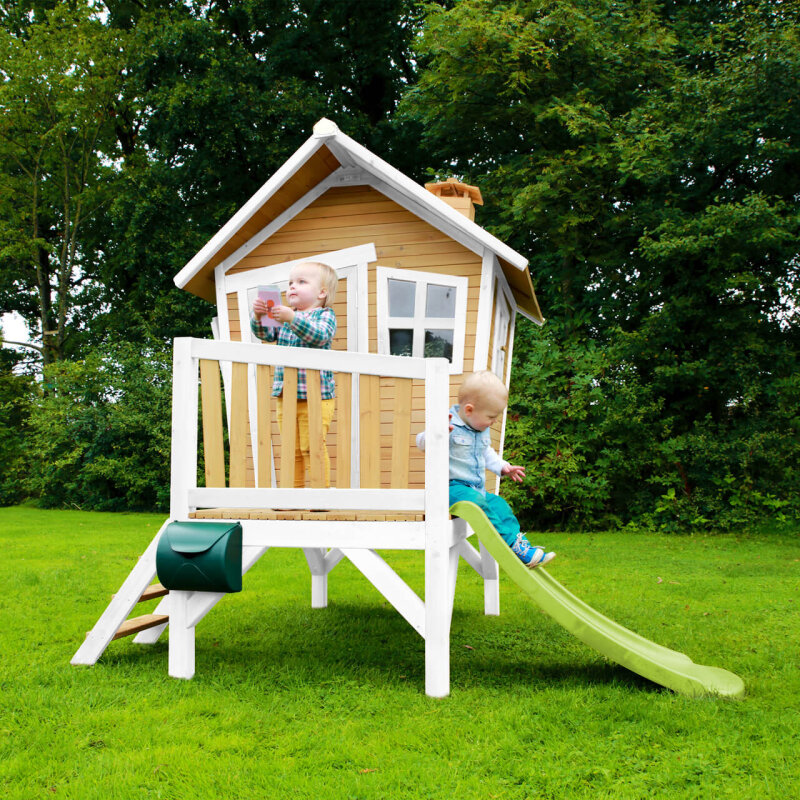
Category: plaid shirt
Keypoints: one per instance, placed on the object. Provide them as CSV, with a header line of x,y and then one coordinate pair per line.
x,y
314,328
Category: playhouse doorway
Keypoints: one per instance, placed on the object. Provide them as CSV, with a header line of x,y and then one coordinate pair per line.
x,y
236,295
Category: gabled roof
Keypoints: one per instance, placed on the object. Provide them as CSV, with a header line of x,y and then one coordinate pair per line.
x,y
325,152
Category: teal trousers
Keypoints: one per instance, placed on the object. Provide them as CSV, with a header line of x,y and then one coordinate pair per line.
x,y
496,509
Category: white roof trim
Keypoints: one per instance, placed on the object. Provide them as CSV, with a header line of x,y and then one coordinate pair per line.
x,y
348,152
524,313
223,235
387,172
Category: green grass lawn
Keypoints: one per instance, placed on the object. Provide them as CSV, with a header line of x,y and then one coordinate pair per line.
x,y
290,702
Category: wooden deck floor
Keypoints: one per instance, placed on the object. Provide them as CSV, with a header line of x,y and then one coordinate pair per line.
x,y
335,516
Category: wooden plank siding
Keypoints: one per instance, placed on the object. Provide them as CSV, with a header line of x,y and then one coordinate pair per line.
x,y
347,217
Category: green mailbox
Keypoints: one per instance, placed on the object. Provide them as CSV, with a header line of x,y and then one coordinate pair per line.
x,y
200,556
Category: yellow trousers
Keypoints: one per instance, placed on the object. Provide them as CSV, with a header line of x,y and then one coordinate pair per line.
x,y
302,459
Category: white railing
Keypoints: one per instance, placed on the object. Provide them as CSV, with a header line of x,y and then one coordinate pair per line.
x,y
245,472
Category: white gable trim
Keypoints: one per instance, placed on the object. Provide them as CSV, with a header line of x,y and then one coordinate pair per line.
x,y
222,236
524,313
502,284
340,177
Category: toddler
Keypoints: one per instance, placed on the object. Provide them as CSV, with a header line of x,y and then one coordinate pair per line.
x,y
308,321
481,400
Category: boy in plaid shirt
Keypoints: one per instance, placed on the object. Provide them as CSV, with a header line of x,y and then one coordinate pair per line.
x,y
308,321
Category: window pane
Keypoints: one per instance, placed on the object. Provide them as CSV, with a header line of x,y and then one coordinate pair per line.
x,y
401,342
440,301
439,344
401,298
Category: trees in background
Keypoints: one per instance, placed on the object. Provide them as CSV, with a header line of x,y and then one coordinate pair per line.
x,y
647,157
643,155
59,87
130,134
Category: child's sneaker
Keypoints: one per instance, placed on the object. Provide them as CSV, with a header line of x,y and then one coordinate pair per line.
x,y
546,559
529,555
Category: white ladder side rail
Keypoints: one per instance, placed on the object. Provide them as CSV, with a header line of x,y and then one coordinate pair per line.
x,y
120,607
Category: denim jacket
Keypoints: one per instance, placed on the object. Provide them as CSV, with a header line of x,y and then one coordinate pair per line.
x,y
471,453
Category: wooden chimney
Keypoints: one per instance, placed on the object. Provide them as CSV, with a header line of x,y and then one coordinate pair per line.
x,y
460,196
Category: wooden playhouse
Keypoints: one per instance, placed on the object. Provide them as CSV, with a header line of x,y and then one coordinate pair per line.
x,y
419,279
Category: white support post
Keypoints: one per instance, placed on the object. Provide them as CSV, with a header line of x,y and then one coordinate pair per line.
x,y
483,564
469,553
181,636
437,530
315,556
491,584
452,579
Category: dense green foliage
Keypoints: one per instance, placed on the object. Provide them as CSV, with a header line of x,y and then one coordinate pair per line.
x,y
644,155
59,84
132,140
18,395
100,434
599,446
647,157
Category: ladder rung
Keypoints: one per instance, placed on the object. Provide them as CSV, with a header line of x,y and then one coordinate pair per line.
x,y
155,590
142,623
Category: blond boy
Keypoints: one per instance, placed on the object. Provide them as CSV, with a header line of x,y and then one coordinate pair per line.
x,y
308,321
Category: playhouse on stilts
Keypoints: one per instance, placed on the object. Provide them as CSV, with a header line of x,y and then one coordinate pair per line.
x,y
417,279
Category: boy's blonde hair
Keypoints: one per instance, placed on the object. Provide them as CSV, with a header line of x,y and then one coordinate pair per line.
x,y
328,280
478,385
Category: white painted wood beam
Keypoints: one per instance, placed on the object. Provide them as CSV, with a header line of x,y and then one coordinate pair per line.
x,y
391,586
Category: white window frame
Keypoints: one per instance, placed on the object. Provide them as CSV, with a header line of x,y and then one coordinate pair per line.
x,y
419,322
350,262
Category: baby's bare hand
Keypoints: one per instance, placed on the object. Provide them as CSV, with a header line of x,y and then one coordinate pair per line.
x,y
282,313
515,472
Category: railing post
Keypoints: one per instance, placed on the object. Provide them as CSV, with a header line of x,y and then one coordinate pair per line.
x,y
183,461
437,519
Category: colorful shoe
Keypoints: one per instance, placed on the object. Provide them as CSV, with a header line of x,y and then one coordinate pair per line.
x,y
529,556
546,558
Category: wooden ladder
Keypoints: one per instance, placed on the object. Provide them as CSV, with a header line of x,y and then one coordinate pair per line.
x,y
145,621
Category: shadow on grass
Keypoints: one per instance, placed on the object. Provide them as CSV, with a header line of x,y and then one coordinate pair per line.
x,y
373,646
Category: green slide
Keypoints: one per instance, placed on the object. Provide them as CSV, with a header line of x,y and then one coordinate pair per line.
x,y
670,668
